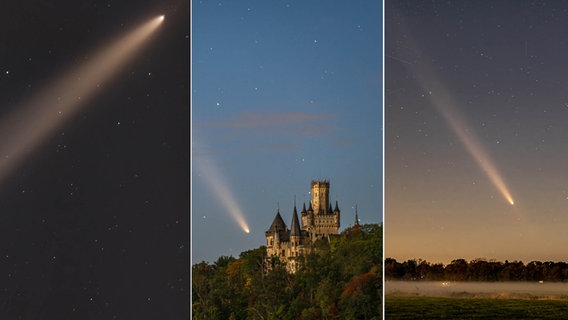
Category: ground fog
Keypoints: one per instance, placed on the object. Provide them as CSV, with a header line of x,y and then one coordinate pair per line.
x,y
532,290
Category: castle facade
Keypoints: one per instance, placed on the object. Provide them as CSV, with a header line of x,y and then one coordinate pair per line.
x,y
319,221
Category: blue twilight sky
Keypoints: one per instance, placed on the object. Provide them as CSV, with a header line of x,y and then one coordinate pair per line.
x,y
283,92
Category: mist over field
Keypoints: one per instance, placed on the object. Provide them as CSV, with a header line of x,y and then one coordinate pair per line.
x,y
552,290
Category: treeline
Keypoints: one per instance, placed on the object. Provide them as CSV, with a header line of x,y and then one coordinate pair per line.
x,y
476,270
341,280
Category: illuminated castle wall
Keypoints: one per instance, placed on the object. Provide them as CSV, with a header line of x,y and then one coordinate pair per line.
x,y
319,221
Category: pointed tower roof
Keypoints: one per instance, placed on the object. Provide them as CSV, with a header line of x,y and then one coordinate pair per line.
x,y
330,209
336,207
304,208
310,207
295,228
278,223
356,216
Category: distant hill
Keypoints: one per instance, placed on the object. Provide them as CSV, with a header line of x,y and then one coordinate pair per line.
x,y
342,279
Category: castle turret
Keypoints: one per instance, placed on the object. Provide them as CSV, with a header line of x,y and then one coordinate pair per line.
x,y
310,216
295,228
305,217
295,240
356,226
274,235
320,196
277,224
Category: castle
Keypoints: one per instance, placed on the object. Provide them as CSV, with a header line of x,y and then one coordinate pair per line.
x,y
319,221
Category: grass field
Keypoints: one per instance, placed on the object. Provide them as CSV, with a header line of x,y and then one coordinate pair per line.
x,y
420,307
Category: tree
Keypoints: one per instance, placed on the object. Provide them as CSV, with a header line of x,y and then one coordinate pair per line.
x,y
456,270
360,299
327,295
393,269
203,305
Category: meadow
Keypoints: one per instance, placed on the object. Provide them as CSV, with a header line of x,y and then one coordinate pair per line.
x,y
468,307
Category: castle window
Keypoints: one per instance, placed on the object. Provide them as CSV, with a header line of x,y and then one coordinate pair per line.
x,y
271,241
283,252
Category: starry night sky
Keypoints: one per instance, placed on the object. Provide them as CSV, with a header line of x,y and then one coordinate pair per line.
x,y
500,66
95,222
283,93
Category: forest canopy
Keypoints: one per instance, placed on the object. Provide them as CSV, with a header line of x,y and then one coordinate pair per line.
x,y
341,279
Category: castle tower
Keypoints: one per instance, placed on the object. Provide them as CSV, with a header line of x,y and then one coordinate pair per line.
x,y
320,197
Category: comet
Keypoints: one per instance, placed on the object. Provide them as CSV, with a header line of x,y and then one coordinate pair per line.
x,y
441,98
37,119
443,102
218,185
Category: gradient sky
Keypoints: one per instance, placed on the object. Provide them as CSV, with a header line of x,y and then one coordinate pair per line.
x,y
95,221
500,67
283,93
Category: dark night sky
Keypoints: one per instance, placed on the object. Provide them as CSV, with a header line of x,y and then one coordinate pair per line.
x,y
94,224
497,69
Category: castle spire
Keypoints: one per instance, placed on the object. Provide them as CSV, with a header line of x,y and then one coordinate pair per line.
x,y
356,216
304,208
336,207
277,224
295,228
